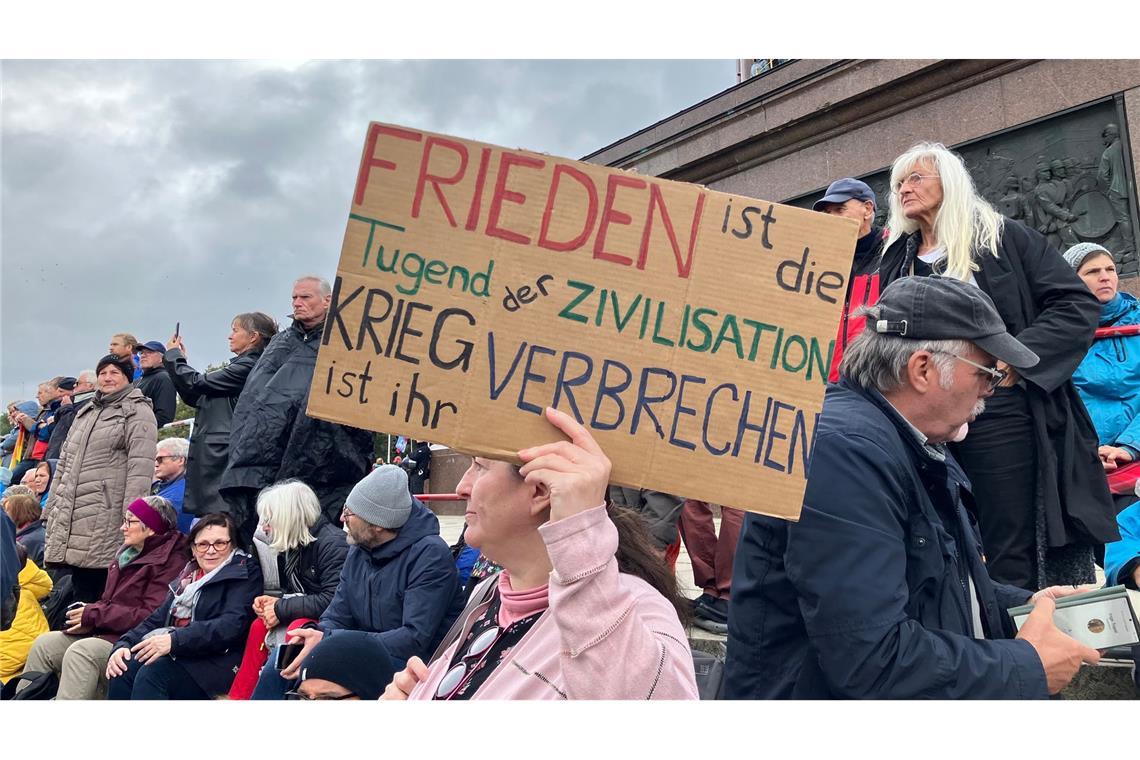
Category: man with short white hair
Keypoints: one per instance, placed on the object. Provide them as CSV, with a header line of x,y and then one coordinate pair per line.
x,y
880,591
170,476
272,438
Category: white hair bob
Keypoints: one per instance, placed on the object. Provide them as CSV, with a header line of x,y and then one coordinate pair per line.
x,y
964,224
291,508
174,447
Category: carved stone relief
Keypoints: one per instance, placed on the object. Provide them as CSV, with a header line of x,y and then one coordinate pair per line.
x,y
1066,177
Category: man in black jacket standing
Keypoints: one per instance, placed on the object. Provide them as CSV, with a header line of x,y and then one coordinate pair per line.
x,y
854,199
79,391
272,439
155,383
880,591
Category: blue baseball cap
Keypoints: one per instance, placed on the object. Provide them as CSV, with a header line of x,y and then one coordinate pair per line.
x,y
153,345
843,190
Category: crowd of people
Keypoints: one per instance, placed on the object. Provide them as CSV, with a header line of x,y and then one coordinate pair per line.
x,y
977,451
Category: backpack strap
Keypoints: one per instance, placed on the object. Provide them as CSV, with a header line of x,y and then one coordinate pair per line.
x,y
480,595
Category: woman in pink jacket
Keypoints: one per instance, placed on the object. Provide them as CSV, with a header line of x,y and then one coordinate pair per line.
x,y
585,608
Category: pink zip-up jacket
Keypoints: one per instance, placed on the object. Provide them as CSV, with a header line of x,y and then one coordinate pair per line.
x,y
606,635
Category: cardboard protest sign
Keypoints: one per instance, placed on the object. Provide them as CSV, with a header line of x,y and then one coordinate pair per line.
x,y
689,330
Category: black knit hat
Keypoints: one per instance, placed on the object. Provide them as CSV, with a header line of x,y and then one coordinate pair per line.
x,y
125,365
353,660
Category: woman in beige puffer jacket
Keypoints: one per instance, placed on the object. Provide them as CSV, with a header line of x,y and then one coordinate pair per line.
x,y
107,462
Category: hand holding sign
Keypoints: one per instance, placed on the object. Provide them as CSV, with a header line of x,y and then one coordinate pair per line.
x,y
683,328
576,472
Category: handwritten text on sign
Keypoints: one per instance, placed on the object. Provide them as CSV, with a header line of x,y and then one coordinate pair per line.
x,y
689,330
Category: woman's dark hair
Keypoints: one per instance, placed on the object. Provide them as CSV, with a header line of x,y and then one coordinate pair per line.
x,y
222,520
258,322
637,554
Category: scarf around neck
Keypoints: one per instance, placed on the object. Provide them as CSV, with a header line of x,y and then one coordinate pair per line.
x,y
187,596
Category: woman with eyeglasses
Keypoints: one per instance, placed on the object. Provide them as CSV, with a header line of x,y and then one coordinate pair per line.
x,y
585,607
1042,501
190,646
151,555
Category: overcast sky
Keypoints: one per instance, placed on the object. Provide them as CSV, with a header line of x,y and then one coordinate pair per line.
x,y
139,194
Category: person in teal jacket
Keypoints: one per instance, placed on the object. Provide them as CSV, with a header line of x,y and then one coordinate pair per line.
x,y
1122,566
1109,377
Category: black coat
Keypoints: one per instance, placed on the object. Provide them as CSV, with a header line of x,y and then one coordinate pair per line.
x,y
868,595
213,395
273,439
31,537
64,416
319,574
157,386
419,467
1048,308
211,647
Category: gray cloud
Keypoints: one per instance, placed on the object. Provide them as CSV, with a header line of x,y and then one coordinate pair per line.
x,y
134,194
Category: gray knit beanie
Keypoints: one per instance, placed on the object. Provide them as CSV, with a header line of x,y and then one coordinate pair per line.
x,y
382,498
1076,255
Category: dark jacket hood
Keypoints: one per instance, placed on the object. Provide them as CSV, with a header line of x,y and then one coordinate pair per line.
x,y
421,523
52,465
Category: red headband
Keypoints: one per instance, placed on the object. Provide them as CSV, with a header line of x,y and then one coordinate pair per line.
x,y
148,515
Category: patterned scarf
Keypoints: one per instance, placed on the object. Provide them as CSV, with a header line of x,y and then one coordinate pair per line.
x,y
186,589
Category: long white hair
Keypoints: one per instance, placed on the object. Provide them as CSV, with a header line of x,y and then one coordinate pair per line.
x,y
965,222
292,509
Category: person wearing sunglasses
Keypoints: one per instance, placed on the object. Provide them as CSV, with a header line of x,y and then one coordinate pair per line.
x,y
585,607
152,554
1042,501
880,590
170,477
191,645
350,665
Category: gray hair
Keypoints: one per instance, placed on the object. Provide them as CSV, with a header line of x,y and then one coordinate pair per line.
x,y
292,508
878,361
18,489
174,447
326,289
165,510
87,373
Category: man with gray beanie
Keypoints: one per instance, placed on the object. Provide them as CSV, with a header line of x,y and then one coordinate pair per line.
x,y
881,591
398,583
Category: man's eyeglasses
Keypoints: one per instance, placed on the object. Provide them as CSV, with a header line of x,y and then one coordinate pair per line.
x,y
913,179
996,376
319,697
161,459
455,678
204,546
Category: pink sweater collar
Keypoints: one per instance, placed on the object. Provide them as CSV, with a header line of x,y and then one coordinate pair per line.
x,y
515,605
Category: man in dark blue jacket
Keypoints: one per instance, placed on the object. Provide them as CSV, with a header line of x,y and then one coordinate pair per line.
x,y
880,590
398,582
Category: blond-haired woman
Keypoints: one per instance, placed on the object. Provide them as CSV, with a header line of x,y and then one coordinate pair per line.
x,y
1041,496
301,556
